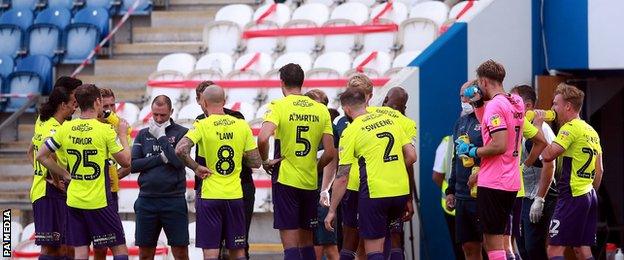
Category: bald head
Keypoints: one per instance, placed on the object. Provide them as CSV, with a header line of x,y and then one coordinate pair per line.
x,y
214,94
396,99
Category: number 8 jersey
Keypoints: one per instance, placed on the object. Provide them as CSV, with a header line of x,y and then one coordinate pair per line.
x,y
577,165
223,140
301,123
86,143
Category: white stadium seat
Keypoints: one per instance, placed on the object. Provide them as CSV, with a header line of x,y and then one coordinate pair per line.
x,y
353,11
237,13
433,10
401,61
340,42
379,41
338,61
280,16
397,14
175,94
368,3
417,34
129,228
313,12
303,59
410,3
28,232
247,109
457,8
262,66
128,111
189,112
263,44
304,43
376,67
16,232
181,62
221,62
328,3
127,197
332,92
222,36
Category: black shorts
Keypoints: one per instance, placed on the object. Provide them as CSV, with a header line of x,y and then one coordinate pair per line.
x,y
467,226
494,209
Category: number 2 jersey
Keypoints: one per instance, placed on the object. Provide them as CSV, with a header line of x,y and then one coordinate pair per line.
x,y
373,143
40,187
86,144
223,140
577,165
301,123
505,112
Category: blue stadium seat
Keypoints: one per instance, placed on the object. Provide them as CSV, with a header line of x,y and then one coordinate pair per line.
x,y
144,8
24,4
33,74
105,4
84,34
66,4
46,35
6,66
13,26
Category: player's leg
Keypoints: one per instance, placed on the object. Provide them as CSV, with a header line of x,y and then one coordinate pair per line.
x,y
249,198
331,252
588,238
373,221
47,223
78,235
350,233
569,225
555,252
106,231
174,219
286,218
148,226
494,208
467,229
324,241
234,228
307,223
209,228
395,227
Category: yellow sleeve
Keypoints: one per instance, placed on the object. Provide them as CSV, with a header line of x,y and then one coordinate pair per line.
x,y
272,114
55,142
110,137
565,137
347,147
194,133
528,130
327,129
409,128
250,143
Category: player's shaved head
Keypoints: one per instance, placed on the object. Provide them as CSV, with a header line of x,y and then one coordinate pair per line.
x,y
214,94
396,98
353,97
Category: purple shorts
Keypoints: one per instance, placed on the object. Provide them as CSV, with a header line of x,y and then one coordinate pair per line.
x,y
50,214
218,220
574,221
294,208
379,215
513,227
100,226
350,209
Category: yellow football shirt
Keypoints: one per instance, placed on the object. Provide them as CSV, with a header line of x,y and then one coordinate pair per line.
x,y
528,131
86,143
43,130
224,139
374,142
577,164
301,123
409,128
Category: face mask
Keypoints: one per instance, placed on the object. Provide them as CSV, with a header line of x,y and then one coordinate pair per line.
x,y
466,108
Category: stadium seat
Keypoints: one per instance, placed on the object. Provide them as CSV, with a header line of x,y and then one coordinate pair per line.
x,y
175,94
433,10
222,36
84,34
397,14
328,3
416,34
261,111
24,4
13,26
262,65
189,112
214,65
237,13
457,8
144,8
248,95
368,3
181,62
410,3
127,197
401,61
39,65
332,92
96,4
67,4
201,75
375,68
313,12
353,11
280,16
247,109
305,43
338,61
16,232
340,42
45,37
129,228
28,232
6,66
263,44
379,41
128,111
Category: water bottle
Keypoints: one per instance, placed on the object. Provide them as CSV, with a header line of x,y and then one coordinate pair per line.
x,y
610,251
549,115
619,255
113,119
467,161
473,190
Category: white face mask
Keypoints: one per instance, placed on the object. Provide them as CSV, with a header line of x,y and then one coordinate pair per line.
x,y
466,108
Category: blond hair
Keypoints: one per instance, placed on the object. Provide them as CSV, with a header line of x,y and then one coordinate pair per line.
x,y
571,94
361,81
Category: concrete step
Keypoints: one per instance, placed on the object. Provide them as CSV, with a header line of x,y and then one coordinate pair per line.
x,y
184,18
154,50
168,34
125,67
125,87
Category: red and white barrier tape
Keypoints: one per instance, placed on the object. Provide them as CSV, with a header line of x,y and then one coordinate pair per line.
x,y
324,30
97,48
266,13
9,95
461,13
251,62
386,8
261,83
371,57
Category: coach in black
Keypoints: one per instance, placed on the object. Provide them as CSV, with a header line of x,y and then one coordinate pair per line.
x,y
162,182
249,189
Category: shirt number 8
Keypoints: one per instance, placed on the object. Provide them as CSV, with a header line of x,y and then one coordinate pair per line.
x,y
228,158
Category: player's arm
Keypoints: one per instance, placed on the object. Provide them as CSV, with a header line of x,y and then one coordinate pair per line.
x,y
599,171
123,172
44,157
183,151
536,134
339,188
139,162
252,159
123,157
266,131
546,177
329,151
552,151
30,153
329,172
496,147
